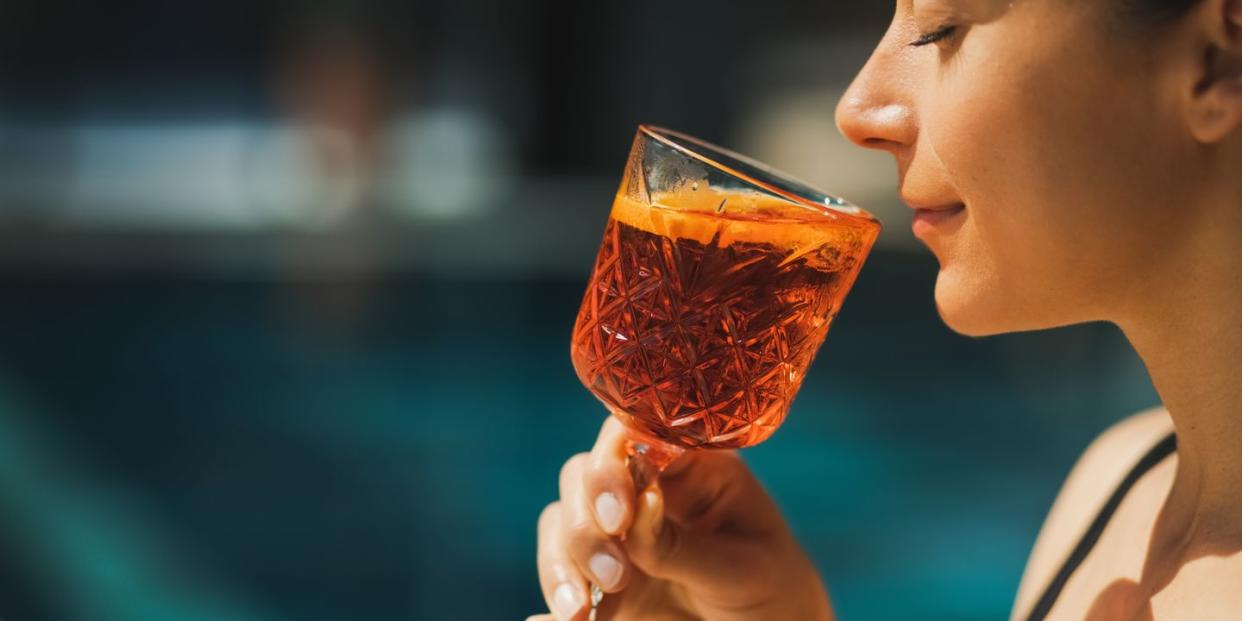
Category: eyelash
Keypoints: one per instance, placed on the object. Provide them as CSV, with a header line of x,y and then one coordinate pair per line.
x,y
934,36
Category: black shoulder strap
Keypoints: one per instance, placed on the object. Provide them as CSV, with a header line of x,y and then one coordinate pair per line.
x,y
1156,455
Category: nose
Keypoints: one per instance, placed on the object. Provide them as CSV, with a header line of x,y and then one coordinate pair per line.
x,y
875,112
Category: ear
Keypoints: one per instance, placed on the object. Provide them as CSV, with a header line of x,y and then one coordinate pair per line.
x,y
1216,102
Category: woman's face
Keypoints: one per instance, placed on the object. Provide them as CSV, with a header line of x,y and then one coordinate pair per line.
x,y
1047,133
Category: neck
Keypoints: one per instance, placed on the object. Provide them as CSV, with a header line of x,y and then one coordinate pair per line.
x,y
1190,338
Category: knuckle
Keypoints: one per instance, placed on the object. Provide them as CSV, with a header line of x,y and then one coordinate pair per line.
x,y
730,460
548,515
581,535
613,425
602,470
572,467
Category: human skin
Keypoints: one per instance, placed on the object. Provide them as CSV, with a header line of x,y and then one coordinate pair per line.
x,y
1066,165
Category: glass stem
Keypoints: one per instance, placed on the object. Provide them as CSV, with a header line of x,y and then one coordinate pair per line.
x,y
646,458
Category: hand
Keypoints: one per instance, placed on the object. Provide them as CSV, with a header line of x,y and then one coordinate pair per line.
x,y
704,542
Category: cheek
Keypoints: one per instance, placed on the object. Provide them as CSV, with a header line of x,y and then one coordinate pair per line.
x,y
1030,136
1016,248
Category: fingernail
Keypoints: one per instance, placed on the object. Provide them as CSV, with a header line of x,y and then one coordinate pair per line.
x,y
606,569
608,510
566,601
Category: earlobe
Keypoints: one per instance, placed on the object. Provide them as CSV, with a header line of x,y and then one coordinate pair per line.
x,y
1218,110
1216,107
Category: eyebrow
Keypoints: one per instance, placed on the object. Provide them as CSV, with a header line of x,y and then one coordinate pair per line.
x,y
974,10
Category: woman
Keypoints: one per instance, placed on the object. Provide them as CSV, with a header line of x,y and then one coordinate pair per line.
x,y
1068,161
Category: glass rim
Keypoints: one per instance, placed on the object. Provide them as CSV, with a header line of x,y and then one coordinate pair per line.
x,y
834,204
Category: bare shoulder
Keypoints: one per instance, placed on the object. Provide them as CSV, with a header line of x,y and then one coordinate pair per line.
x,y
1094,477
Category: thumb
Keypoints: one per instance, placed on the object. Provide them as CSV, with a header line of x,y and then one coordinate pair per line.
x,y
665,549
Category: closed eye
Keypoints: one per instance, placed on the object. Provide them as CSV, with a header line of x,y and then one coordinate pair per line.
x,y
934,36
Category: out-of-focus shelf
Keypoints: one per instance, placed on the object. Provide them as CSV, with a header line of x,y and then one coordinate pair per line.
x,y
546,228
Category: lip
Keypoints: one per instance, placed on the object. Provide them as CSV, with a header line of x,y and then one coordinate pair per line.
x,y
927,219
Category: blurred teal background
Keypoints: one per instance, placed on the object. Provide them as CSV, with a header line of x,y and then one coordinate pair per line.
x,y
286,291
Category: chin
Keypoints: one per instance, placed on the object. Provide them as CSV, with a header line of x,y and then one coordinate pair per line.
x,y
967,310
965,324
982,307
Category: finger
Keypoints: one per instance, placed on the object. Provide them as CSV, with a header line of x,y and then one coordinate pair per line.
x,y
712,488
564,588
663,548
593,551
607,480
